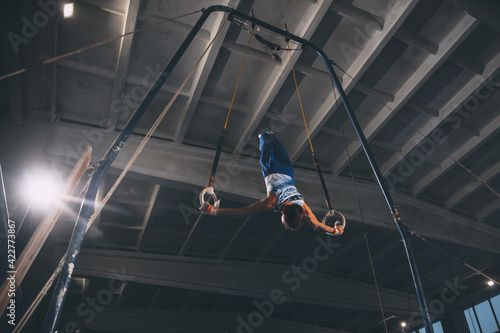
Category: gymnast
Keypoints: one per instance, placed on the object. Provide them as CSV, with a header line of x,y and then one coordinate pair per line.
x,y
282,195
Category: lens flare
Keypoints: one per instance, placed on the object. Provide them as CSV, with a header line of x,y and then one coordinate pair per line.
x,y
42,189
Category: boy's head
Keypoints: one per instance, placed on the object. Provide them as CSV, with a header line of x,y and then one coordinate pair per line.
x,y
292,217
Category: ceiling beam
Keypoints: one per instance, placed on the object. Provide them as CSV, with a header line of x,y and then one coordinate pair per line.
x,y
53,73
225,104
418,41
468,64
314,72
298,283
86,69
242,49
170,25
432,162
431,177
119,226
472,88
358,15
203,71
367,54
121,68
133,202
472,186
17,89
423,109
484,10
470,129
381,95
147,216
132,320
488,209
454,38
277,77
311,71
107,6
165,87
172,164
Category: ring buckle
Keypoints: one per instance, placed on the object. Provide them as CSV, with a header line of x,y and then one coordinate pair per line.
x,y
210,191
339,222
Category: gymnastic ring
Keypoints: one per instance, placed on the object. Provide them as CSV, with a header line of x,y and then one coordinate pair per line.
x,y
340,217
210,191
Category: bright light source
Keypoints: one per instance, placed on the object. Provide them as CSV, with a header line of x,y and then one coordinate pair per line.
x,y
491,283
403,324
42,188
68,10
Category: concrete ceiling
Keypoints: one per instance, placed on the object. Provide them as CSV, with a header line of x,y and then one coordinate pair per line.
x,y
423,79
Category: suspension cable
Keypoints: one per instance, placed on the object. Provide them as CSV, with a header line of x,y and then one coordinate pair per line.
x,y
340,223
239,77
211,180
300,100
24,218
376,283
454,257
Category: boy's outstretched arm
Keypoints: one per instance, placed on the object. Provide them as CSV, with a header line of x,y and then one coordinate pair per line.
x,y
266,204
313,221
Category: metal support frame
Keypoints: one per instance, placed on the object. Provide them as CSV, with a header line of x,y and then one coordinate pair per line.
x,y
74,246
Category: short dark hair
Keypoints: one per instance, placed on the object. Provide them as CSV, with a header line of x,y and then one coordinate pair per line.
x,y
293,216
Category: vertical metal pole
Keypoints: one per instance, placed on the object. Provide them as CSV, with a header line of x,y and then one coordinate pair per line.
x,y
61,288
424,309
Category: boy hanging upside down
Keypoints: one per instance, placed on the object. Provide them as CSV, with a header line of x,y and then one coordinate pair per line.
x,y
282,195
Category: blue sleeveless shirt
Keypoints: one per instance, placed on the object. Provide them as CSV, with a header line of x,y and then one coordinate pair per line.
x,y
282,185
